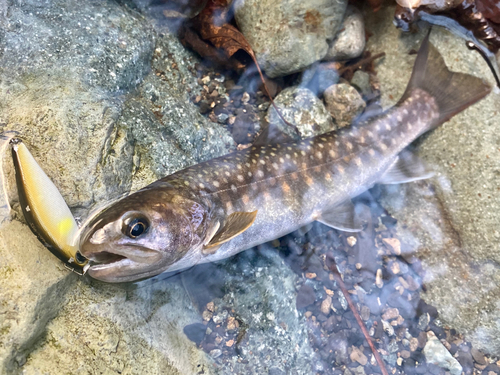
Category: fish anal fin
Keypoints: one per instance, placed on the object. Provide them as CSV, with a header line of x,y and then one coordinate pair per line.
x,y
235,224
406,168
342,217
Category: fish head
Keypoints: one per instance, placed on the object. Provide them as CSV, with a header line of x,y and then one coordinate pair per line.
x,y
141,235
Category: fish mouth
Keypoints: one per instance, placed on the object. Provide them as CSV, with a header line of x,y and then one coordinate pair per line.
x,y
121,265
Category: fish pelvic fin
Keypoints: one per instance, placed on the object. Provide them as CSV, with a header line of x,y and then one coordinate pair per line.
x,y
452,91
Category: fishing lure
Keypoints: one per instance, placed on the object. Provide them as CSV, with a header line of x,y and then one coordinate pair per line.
x,y
45,210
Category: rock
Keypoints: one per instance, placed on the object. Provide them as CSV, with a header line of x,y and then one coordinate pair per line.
x,y
450,221
289,35
91,88
351,39
344,103
358,356
260,288
436,353
361,82
305,297
303,109
318,78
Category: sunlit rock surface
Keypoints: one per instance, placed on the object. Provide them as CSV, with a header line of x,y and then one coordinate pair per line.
x,y
101,100
450,221
289,35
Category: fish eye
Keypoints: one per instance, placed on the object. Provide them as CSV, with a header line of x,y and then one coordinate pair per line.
x,y
136,227
80,259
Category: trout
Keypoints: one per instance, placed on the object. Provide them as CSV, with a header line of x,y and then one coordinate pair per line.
x,y
218,208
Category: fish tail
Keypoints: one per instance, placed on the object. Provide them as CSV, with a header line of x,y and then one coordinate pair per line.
x,y
452,91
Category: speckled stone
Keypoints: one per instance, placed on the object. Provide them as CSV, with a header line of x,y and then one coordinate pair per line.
x,y
351,39
303,109
450,221
289,35
344,103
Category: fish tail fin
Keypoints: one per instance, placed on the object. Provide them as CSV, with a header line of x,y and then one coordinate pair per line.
x,y
452,91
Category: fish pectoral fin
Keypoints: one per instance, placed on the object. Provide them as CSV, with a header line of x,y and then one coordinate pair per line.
x,y
406,168
342,217
235,224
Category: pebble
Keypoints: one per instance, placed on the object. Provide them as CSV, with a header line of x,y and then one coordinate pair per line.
x,y
423,321
215,353
390,313
361,81
351,241
378,279
478,356
365,312
358,356
437,354
305,297
326,305
344,103
350,41
302,108
393,244
388,328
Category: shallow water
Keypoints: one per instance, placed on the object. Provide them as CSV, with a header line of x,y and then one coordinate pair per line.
x,y
106,98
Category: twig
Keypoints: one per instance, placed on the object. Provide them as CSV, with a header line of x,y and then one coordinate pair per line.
x,y
338,278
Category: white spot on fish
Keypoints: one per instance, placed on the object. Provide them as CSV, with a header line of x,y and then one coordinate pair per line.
x,y
332,153
216,183
287,156
371,152
275,166
387,126
201,186
349,145
186,183
262,162
320,145
227,174
319,155
240,178
357,160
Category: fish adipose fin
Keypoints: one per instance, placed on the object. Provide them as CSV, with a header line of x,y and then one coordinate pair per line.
x,y
341,217
452,91
235,224
406,168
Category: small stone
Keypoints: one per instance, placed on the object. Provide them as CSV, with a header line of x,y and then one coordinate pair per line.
x,y
378,279
413,344
210,306
231,323
326,305
195,332
388,328
329,292
305,297
358,266
358,356
229,343
405,354
478,356
351,241
308,314
344,103
423,321
205,80
395,269
399,361
361,81
365,313
310,275
435,353
245,98
393,244
218,340
390,313
215,353
206,315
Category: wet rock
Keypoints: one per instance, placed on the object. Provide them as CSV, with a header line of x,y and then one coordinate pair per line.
x,y
344,103
358,356
66,71
260,288
303,109
436,353
289,35
351,39
305,297
318,78
361,81
450,221
195,332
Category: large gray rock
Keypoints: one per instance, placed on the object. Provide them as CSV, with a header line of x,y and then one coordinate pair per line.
x,y
451,221
289,35
101,101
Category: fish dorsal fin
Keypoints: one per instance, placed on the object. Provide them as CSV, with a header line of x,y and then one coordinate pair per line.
x,y
341,217
406,168
235,224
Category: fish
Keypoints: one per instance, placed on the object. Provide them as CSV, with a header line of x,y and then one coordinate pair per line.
x,y
45,210
218,208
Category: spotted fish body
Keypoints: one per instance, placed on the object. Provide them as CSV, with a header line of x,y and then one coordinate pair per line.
x,y
218,208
